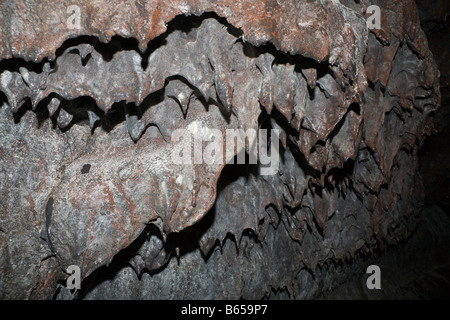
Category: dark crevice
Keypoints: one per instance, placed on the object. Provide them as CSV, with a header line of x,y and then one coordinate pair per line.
x,y
264,120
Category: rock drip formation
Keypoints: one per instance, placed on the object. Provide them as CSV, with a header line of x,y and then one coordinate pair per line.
x,y
87,119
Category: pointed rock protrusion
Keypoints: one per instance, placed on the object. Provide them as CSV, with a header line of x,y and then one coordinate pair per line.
x,y
93,118
181,93
224,91
15,89
135,127
64,118
137,263
53,106
311,77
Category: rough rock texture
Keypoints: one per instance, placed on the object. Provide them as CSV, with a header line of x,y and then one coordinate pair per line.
x,y
416,269
87,115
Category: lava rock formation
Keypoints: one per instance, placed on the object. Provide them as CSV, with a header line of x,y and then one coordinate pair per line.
x,y
87,115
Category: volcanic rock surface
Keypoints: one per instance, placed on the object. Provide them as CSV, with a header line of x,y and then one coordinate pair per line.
x,y
87,117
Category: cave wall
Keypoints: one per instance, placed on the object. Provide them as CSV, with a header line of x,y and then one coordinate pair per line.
x,y
435,168
87,117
